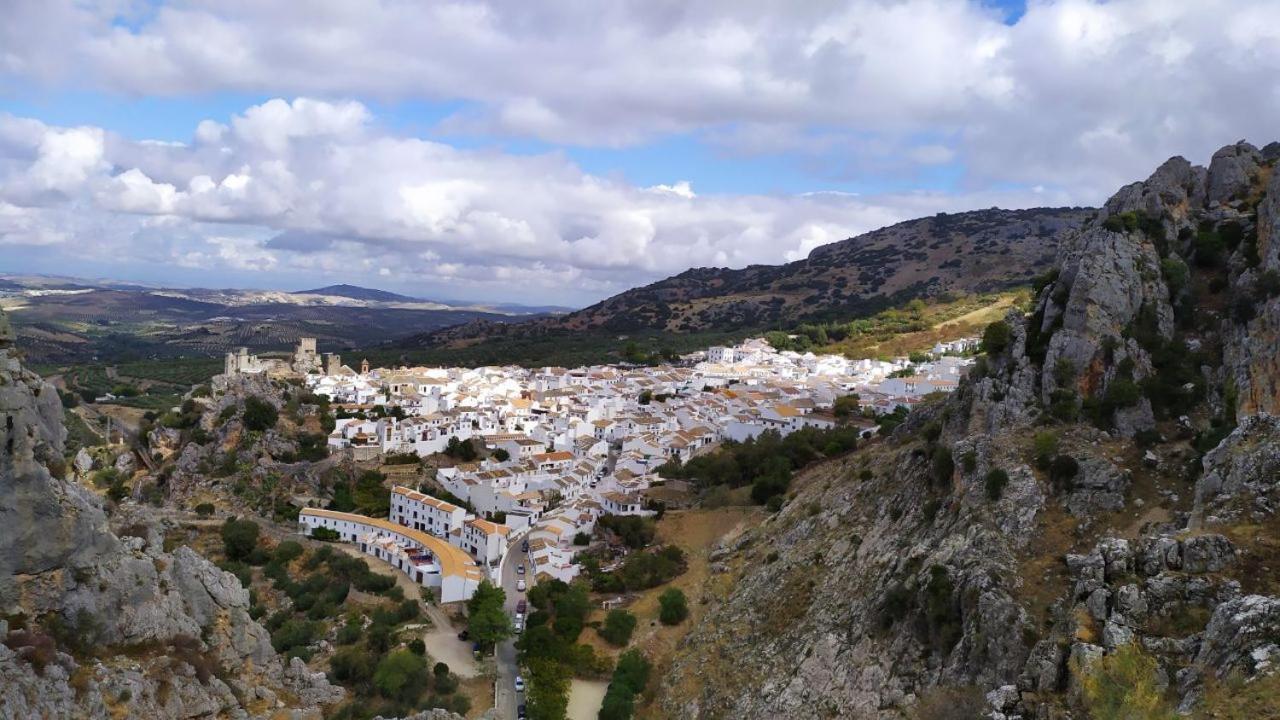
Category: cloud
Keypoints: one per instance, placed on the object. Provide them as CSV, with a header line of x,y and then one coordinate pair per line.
x,y
313,187
1081,94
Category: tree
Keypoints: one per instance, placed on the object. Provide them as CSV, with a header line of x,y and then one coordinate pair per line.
x,y
618,627
996,337
239,538
259,415
674,607
401,675
501,455
847,405
204,509
487,622
370,495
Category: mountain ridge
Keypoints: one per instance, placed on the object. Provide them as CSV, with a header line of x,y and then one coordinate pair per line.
x,y
944,253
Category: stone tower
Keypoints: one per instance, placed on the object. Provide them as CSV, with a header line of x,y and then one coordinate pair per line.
x,y
364,367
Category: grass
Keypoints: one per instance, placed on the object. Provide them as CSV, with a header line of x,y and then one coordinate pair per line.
x,y
918,326
178,371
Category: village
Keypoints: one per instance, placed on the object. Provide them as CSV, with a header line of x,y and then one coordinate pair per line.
x,y
562,447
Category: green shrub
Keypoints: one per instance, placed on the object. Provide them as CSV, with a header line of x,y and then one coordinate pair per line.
x,y
239,538
674,607
618,627
995,483
204,509
287,551
353,665
942,466
1062,472
1043,447
259,415
1125,685
996,337
401,676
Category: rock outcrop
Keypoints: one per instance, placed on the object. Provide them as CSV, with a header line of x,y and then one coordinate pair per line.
x,y
863,598
99,624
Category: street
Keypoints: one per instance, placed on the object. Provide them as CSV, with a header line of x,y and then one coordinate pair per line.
x,y
505,654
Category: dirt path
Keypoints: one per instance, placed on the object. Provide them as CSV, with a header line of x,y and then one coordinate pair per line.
x,y
585,697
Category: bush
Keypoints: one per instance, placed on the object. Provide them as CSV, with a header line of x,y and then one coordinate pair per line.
x,y
996,481
417,646
618,627
239,538
401,675
1062,472
295,634
287,551
674,607
1124,685
259,415
1043,447
204,509
352,665
325,534
995,339
942,467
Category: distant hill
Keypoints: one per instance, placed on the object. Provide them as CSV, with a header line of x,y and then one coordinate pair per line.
x,y
963,253
356,292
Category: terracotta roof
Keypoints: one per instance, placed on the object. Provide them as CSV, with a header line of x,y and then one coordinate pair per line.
x,y
453,561
425,499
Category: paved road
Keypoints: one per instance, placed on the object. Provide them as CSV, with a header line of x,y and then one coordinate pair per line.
x,y
507,699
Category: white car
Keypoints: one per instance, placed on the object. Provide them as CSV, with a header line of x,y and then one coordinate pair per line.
x,y
520,586
520,569
519,684
518,625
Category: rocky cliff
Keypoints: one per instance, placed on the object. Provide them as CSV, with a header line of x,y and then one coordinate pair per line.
x,y
100,626
1097,499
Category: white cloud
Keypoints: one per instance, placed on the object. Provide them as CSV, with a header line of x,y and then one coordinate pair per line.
x,y
324,191
1022,103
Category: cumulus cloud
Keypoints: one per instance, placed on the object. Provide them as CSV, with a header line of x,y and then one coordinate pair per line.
x,y
316,187
1086,93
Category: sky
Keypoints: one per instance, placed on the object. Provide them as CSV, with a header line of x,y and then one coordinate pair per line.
x,y
495,150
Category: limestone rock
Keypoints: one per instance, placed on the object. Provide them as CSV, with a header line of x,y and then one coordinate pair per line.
x,y
1231,171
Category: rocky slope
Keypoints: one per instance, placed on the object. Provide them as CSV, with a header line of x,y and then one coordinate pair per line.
x,y
1099,495
960,253
103,626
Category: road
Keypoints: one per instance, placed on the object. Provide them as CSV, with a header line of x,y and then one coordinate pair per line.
x,y
505,654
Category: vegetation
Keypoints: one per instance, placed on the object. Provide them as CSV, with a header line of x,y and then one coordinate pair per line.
x,y
1124,685
549,647
239,539
487,623
629,680
638,570
259,415
673,607
995,339
995,483
765,462
618,627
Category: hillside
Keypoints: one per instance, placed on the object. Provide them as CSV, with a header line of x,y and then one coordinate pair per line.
x,y
356,292
77,322
964,253
1088,527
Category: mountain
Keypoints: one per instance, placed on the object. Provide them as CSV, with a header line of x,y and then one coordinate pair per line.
x,y
959,253
61,321
359,293
1087,527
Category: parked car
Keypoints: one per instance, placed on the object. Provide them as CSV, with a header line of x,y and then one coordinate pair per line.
x,y
523,606
520,585
524,546
519,625
521,713
519,684
520,569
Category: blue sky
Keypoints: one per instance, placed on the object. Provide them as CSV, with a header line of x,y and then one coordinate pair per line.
x,y
497,150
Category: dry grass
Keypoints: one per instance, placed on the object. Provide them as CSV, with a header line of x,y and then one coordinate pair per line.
x,y
697,532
